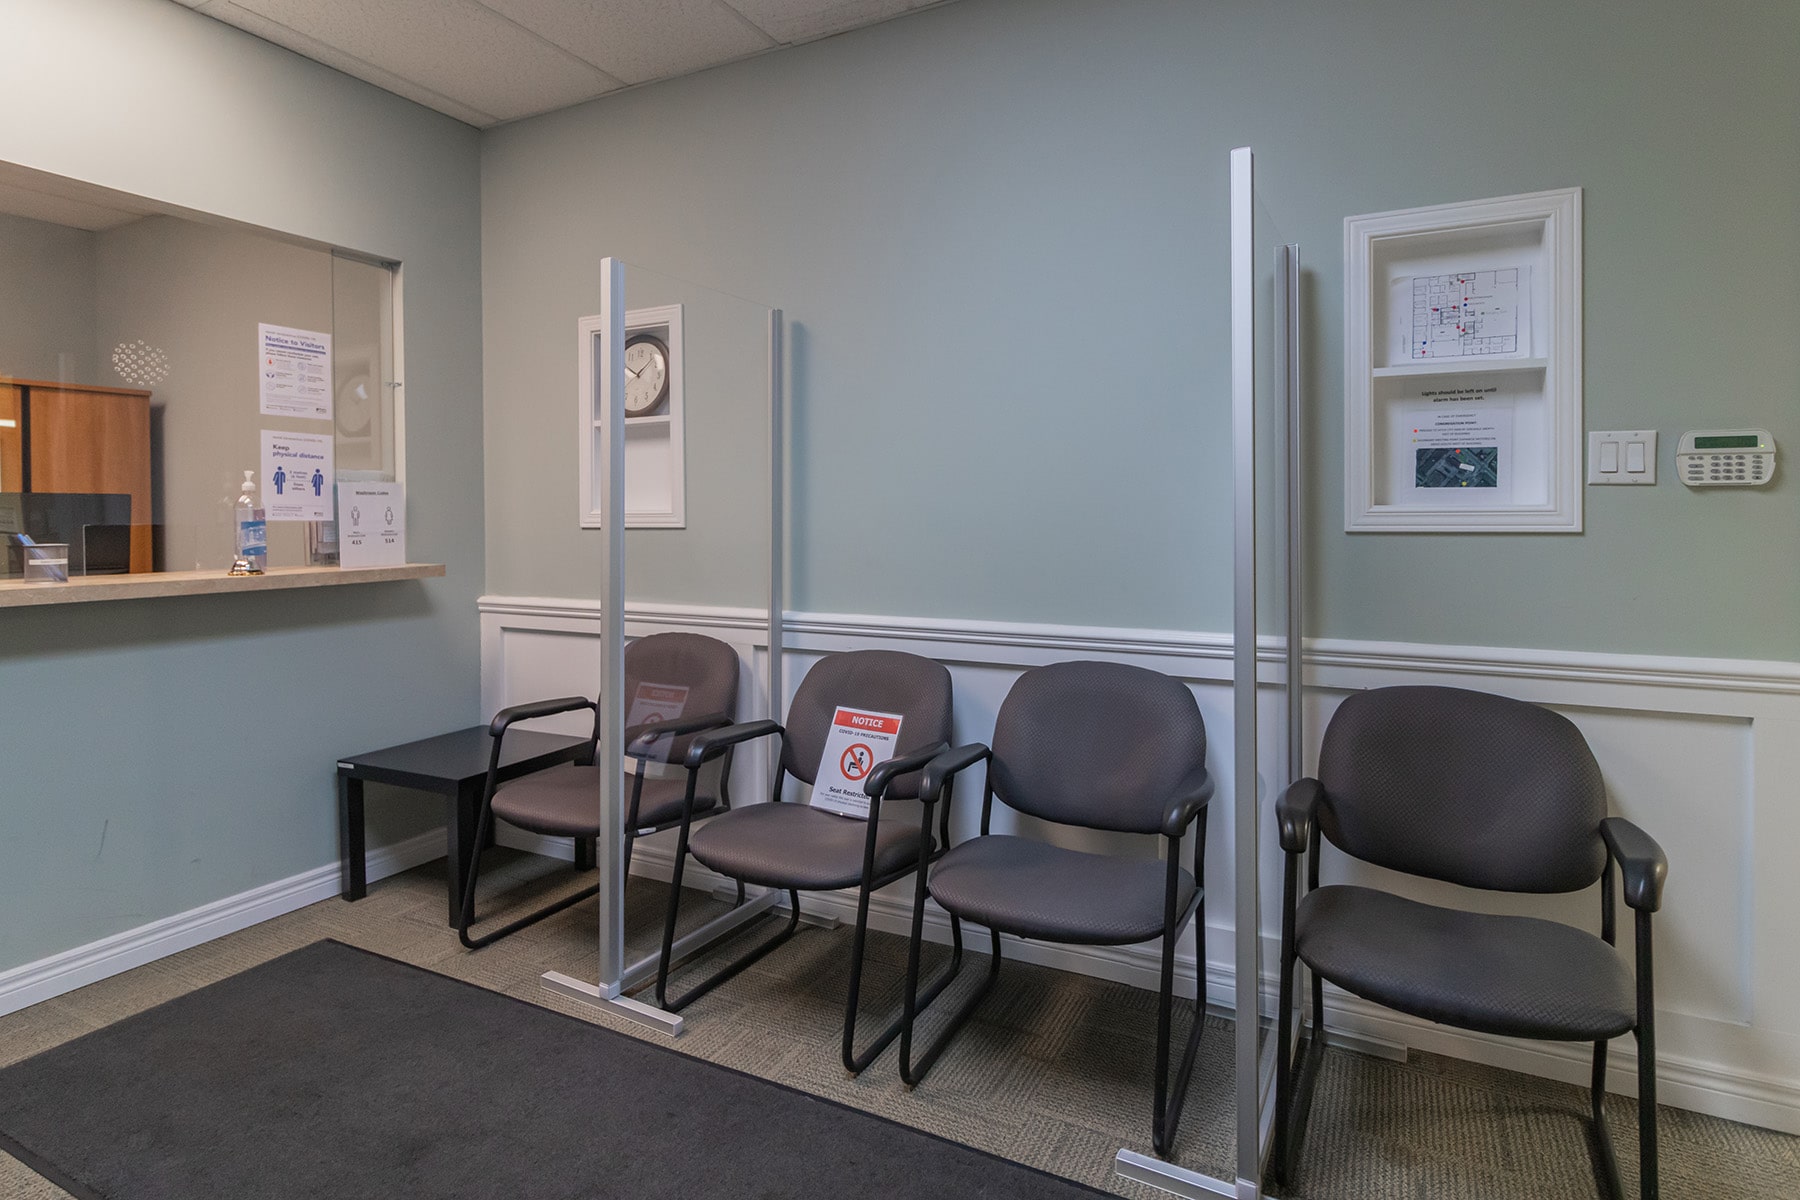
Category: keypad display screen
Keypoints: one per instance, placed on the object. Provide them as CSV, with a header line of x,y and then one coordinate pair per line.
x,y
1736,441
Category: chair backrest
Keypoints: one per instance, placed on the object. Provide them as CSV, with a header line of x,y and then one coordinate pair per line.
x,y
1101,745
888,681
705,666
1462,786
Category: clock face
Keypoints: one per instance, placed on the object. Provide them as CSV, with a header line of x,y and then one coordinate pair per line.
x,y
646,376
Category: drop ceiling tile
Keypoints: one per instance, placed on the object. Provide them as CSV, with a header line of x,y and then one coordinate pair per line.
x,y
455,48
349,64
791,21
641,40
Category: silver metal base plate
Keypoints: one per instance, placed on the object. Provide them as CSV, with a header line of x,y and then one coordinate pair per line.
x,y
1170,1178
624,1006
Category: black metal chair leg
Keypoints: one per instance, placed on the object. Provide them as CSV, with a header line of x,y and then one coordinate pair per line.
x,y
915,1003
854,1063
1605,1161
1170,1099
731,968
1279,1162
483,826
1649,1187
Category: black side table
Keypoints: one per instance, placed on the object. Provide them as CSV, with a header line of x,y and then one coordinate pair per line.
x,y
454,766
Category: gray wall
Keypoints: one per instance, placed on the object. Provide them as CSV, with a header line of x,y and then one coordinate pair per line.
x,y
1000,229
161,754
46,301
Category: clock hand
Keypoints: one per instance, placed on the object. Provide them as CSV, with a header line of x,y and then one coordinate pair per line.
x,y
636,373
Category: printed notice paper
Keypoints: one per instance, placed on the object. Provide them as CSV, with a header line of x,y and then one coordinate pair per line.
x,y
294,367
371,524
657,702
1467,315
858,740
1460,445
296,475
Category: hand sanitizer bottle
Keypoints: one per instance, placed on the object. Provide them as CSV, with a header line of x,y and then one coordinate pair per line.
x,y
252,529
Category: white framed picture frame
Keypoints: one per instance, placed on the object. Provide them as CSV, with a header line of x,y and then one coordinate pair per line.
x,y
1462,367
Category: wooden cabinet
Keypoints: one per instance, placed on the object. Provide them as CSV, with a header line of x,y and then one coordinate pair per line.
x,y
72,438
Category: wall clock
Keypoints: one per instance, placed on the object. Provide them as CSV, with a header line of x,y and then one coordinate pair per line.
x,y
646,375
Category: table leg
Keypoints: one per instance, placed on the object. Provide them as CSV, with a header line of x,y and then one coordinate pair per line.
x,y
461,812
353,869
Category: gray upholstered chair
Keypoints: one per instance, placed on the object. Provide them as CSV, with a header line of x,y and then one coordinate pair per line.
x,y
796,847
1101,746
1489,793
698,678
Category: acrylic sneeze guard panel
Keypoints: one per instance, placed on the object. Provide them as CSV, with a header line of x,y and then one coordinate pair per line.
x,y
1265,663
705,460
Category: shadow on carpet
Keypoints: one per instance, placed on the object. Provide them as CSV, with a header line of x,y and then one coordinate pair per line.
x,y
333,1071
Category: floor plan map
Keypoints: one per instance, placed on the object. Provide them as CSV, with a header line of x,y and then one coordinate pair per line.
x,y
1464,315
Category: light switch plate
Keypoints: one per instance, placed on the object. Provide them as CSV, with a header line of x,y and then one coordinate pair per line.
x,y
1622,440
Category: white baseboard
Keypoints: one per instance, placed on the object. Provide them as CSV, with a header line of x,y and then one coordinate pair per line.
x,y
38,981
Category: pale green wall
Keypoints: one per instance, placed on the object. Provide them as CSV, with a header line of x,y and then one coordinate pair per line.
x,y
162,754
1000,228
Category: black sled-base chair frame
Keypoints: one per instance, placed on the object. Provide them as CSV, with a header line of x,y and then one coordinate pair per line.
x,y
1486,792
792,847
1095,745
564,801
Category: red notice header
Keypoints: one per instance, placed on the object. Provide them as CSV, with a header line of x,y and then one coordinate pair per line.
x,y
872,722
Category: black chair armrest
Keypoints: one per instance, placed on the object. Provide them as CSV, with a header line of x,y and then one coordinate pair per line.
x,y
1294,813
942,769
640,739
537,708
886,771
1191,795
711,745
1641,861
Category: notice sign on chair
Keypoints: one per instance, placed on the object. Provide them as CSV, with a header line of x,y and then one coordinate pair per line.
x,y
657,702
857,741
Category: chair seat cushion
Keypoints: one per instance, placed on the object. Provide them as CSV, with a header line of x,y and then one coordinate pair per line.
x,y
789,845
564,801
1518,976
1031,888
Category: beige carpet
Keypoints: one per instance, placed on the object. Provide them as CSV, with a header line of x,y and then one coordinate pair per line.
x,y
1055,1071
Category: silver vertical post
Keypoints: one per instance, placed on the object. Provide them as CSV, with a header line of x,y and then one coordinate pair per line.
x,y
609,847
777,514
1248,967
610,853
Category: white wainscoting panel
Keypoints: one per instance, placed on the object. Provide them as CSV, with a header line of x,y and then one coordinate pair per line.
x,y
1702,752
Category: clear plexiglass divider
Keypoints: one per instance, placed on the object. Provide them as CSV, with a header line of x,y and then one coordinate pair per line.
x,y
680,402
1266,735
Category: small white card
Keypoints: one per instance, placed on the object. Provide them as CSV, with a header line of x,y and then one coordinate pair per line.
x,y
371,524
297,476
294,369
857,741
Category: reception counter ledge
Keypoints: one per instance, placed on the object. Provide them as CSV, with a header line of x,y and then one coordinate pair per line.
x,y
83,589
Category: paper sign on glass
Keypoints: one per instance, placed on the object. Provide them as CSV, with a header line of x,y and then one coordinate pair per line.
x,y
858,740
371,524
296,475
293,367
656,702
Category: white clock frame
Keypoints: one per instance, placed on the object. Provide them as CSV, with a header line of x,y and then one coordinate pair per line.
x,y
655,457
1542,386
